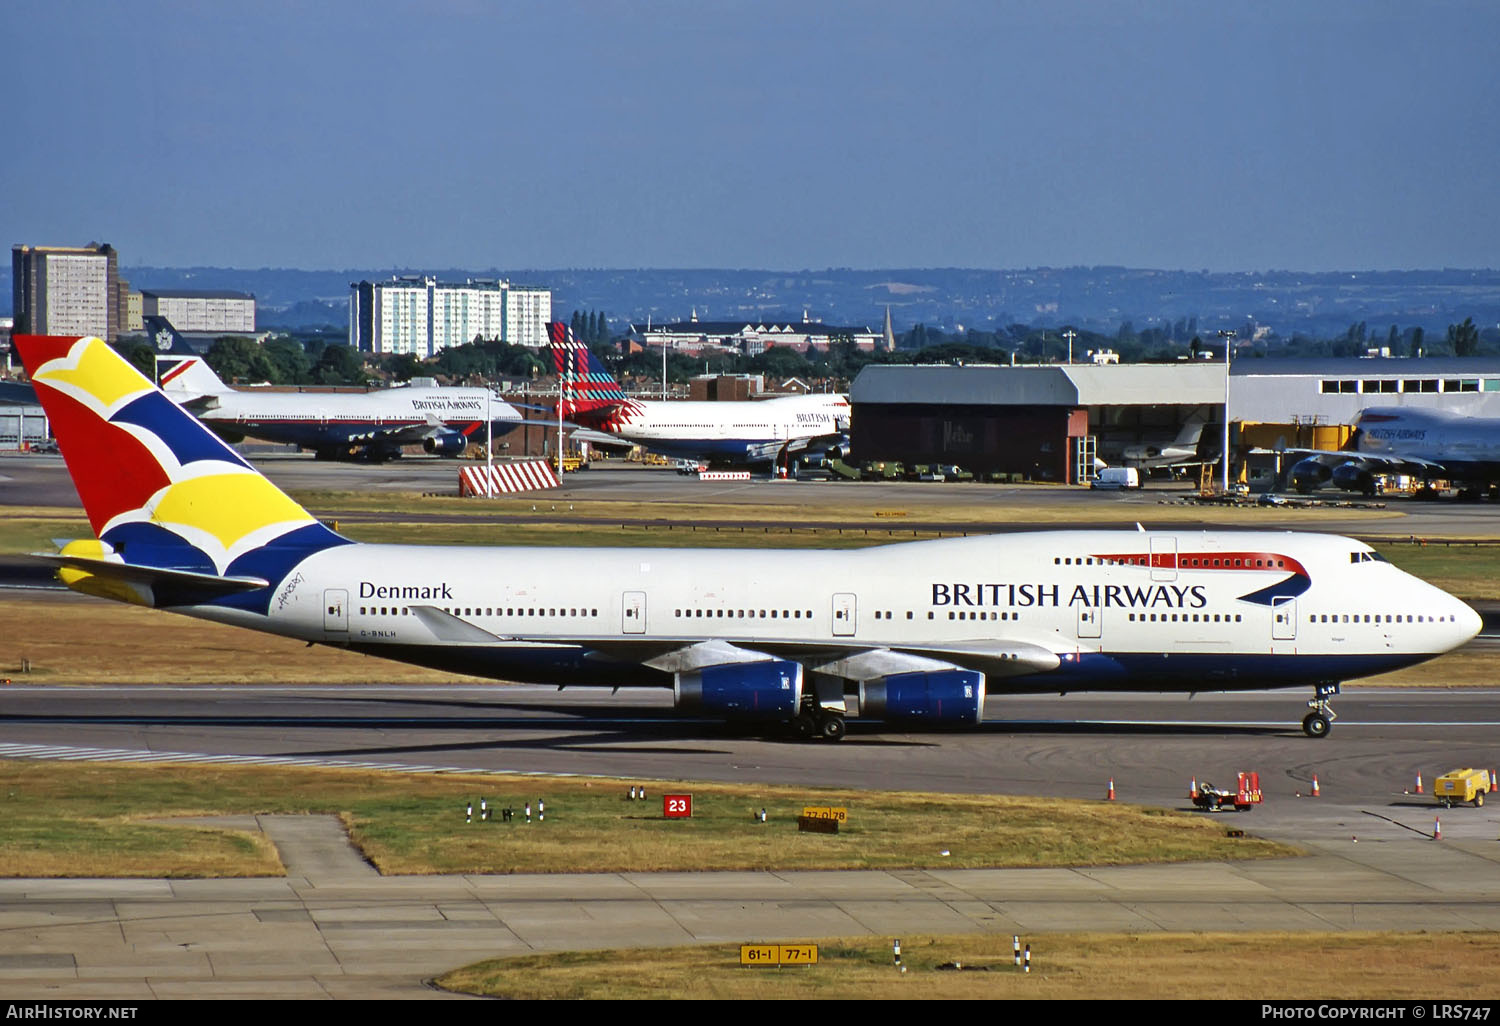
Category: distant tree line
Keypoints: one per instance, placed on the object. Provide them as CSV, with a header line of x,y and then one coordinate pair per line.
x,y
314,360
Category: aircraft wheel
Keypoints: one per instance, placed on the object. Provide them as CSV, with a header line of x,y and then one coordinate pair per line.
x,y
1315,724
833,728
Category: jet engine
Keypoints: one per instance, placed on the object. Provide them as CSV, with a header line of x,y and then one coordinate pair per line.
x,y
940,696
771,689
1354,477
448,443
1309,474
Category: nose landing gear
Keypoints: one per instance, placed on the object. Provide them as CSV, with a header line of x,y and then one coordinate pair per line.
x,y
1320,721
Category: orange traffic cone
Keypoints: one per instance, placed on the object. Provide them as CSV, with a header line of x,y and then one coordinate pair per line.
x,y
1315,786
1419,783
1111,796
1437,828
1193,791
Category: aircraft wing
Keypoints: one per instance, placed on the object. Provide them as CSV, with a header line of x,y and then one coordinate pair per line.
x,y
1331,456
852,659
766,452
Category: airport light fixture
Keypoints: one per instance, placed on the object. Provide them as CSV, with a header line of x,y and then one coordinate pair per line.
x,y
1228,337
1070,335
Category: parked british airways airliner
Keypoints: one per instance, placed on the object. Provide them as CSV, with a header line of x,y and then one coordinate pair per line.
x,y
916,633
361,426
760,431
1423,443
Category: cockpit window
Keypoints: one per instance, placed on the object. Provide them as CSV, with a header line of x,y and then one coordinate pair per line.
x,y
1367,557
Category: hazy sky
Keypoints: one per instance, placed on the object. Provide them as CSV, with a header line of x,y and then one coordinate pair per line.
x,y
1313,134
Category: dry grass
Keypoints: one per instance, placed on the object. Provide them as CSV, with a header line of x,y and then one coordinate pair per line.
x,y
1256,966
981,504
99,819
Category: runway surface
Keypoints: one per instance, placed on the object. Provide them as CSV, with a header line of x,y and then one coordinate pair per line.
x,y
1151,746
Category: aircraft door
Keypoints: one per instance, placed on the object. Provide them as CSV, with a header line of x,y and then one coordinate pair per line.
x,y
335,610
843,615
1163,557
633,618
1090,622
1284,619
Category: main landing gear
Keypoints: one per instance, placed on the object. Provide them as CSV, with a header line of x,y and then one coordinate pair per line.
x,y
1320,721
819,723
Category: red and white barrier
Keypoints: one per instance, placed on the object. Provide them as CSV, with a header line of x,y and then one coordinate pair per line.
x,y
518,476
723,475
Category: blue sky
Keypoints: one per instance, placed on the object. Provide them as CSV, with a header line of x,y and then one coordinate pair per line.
x,y
996,133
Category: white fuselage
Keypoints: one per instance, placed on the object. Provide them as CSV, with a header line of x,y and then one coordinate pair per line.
x,y
1449,439
1115,609
728,430
316,418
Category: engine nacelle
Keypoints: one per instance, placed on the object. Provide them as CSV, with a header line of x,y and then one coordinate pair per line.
x,y
1309,474
942,696
1354,477
449,443
771,689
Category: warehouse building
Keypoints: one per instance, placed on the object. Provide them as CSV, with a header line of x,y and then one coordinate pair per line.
x,y
1049,423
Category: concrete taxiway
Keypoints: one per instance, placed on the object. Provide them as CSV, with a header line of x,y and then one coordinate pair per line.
x,y
332,929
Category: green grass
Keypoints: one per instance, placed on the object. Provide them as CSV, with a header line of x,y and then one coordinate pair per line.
x,y
92,819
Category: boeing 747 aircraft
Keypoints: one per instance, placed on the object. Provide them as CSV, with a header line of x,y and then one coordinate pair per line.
x,y
1427,444
911,634
362,426
763,431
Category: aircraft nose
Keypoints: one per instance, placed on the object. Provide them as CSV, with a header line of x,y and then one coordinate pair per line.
x,y
1467,621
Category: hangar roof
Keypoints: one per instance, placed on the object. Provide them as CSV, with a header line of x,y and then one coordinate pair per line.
x,y
1133,384
1362,367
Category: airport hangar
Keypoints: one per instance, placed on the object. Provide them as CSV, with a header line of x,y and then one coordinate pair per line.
x,y
1048,422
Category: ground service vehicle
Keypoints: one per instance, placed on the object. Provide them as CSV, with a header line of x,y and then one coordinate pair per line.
x,y
1243,798
1117,477
1462,785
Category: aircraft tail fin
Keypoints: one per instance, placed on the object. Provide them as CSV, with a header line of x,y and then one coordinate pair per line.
x,y
160,490
589,386
179,368
1190,434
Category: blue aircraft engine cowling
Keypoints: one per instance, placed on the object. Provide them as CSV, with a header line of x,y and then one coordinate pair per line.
x,y
1354,477
448,443
942,696
1309,474
769,689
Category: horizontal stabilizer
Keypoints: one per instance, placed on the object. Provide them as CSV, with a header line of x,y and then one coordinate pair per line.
x,y
137,574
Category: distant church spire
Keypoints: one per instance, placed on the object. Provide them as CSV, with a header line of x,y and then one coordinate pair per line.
x,y
890,336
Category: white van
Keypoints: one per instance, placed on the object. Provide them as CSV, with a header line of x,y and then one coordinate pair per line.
x,y
1117,477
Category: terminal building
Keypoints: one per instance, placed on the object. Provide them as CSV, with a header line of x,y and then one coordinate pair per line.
x,y
1050,422
422,316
